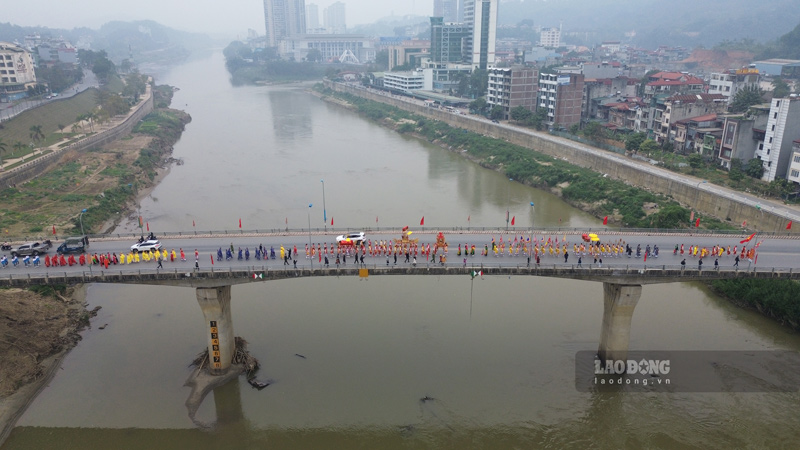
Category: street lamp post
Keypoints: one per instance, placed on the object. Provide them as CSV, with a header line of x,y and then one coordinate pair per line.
x,y
309,234
324,211
533,217
80,218
697,193
508,202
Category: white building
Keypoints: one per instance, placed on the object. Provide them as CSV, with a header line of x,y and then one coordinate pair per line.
x,y
409,81
783,127
794,166
334,18
284,18
331,46
312,16
484,33
550,37
730,82
16,71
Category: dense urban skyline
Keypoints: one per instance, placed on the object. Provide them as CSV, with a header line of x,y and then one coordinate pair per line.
x,y
204,16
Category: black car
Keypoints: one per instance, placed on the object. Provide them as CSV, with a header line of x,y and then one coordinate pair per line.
x,y
72,245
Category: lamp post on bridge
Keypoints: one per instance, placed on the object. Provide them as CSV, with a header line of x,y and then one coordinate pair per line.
x,y
533,218
80,218
324,211
309,235
508,202
697,194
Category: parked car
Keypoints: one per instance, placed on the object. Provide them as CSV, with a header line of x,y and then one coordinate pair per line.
x,y
146,246
32,248
72,245
351,238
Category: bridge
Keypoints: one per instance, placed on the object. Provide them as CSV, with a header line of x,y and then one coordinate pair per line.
x,y
622,276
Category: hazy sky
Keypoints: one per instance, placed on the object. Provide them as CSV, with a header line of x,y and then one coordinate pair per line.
x,y
213,16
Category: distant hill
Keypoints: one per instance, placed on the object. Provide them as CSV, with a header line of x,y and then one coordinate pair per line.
x,y
148,41
687,23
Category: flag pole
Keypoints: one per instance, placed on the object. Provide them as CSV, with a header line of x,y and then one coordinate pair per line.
x,y
471,285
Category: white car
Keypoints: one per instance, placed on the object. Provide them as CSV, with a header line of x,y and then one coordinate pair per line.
x,y
146,246
352,238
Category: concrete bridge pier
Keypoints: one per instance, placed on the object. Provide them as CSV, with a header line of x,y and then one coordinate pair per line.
x,y
619,302
216,305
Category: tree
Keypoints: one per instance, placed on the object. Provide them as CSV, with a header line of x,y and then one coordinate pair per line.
x,y
520,114
314,55
736,174
593,131
3,148
36,133
497,113
695,160
18,147
633,141
382,59
746,98
478,106
649,146
780,88
478,83
754,168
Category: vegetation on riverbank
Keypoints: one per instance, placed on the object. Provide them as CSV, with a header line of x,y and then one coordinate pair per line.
x,y
777,299
626,205
252,67
104,181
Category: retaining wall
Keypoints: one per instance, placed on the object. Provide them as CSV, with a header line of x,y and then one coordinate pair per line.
x,y
643,175
36,167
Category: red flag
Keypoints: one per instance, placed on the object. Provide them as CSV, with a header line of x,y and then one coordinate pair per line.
x,y
192,222
405,228
513,220
469,217
756,261
331,221
744,224
747,239
697,223
788,226
605,220
287,221
422,222
376,219
240,222
212,259
148,226
645,256
54,228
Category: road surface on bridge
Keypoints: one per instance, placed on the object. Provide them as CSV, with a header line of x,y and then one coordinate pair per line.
x,y
772,252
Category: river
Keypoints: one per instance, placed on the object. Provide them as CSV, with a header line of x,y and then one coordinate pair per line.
x,y
496,354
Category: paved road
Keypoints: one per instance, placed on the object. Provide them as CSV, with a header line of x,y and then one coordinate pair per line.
x,y
9,110
778,253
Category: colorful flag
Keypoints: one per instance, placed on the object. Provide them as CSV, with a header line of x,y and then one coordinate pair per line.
x,y
478,273
422,222
513,219
697,223
605,220
140,222
54,229
240,222
788,226
747,239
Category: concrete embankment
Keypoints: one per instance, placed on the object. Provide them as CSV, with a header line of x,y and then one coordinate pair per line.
x,y
725,204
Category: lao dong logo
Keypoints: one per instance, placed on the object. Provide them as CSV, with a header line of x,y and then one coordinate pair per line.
x,y
654,367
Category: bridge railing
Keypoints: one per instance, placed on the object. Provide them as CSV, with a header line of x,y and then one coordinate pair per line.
x,y
571,270
604,233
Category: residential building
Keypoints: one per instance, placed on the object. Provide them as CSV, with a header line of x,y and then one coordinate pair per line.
x,y
742,134
446,9
16,71
312,16
562,96
605,90
730,82
334,18
484,33
283,18
683,106
410,52
794,165
409,81
783,127
672,82
512,87
691,133
550,37
450,43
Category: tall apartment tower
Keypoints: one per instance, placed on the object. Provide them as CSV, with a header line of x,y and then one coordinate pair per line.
x,y
283,18
312,16
449,41
334,18
446,9
783,127
484,32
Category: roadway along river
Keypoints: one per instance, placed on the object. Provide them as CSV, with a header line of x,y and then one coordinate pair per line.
x,y
496,354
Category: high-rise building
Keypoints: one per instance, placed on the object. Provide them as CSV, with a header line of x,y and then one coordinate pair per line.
x,y
783,127
450,43
550,37
334,17
484,33
446,9
312,16
562,96
284,18
512,87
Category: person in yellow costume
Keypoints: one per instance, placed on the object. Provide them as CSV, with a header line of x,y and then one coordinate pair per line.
x,y
164,254
122,258
283,252
174,255
136,257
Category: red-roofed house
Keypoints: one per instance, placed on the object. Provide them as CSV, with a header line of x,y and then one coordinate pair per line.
x,y
689,134
683,106
666,82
